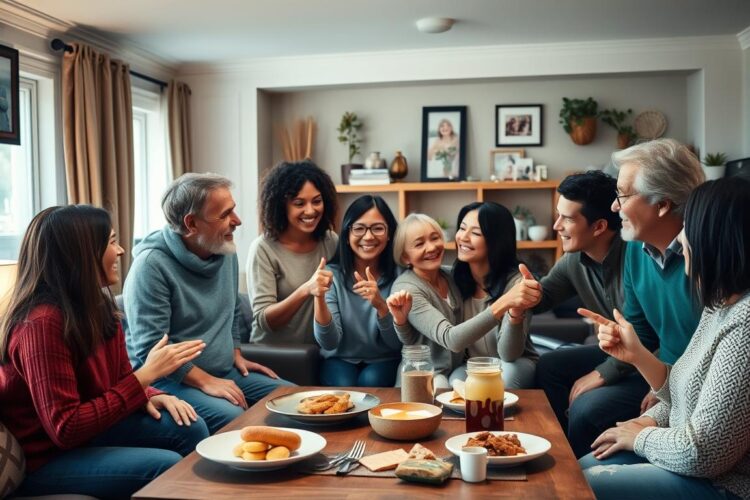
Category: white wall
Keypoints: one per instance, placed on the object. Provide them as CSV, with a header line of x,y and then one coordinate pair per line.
x,y
715,123
392,117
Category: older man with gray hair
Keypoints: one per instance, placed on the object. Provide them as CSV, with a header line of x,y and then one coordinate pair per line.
x,y
654,182
184,284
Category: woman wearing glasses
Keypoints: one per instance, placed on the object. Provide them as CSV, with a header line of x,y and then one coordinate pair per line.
x,y
352,322
285,264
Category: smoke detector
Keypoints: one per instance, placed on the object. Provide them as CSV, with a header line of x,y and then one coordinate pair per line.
x,y
435,24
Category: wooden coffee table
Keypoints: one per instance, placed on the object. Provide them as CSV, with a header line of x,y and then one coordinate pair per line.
x,y
555,475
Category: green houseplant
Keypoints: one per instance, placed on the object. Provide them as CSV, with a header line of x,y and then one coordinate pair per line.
x,y
578,118
714,165
349,133
616,119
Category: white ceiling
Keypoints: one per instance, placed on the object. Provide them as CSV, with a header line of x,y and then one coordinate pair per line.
x,y
220,30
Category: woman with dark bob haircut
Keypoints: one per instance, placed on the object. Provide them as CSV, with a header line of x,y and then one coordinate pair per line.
x,y
286,264
352,323
695,442
87,423
486,267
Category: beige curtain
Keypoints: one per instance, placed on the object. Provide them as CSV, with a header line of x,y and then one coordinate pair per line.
x,y
178,103
98,137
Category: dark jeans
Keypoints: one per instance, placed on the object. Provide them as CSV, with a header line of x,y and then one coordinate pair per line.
x,y
119,461
336,372
594,411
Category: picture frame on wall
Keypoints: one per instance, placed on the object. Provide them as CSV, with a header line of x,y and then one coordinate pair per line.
x,y
9,120
503,163
443,143
525,170
518,125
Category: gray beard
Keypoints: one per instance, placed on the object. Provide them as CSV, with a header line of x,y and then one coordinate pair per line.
x,y
216,247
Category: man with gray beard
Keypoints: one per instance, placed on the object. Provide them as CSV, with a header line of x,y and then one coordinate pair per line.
x,y
183,284
654,182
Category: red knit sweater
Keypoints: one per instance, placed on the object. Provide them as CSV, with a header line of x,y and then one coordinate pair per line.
x,y
49,403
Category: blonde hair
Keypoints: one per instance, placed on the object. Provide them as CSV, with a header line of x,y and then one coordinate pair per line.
x,y
399,240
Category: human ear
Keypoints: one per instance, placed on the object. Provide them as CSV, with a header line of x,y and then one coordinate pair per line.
x,y
189,223
600,226
664,207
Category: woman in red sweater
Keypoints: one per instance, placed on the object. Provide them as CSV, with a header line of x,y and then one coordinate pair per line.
x,y
87,422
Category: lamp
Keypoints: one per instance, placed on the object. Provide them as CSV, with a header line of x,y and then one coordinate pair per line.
x,y
8,272
435,24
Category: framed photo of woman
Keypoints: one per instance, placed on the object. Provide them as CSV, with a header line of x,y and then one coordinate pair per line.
x,y
518,125
443,143
9,120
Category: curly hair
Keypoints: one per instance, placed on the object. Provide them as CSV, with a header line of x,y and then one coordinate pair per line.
x,y
282,184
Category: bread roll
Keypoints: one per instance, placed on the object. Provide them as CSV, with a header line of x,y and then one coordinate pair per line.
x,y
248,455
277,452
254,446
272,436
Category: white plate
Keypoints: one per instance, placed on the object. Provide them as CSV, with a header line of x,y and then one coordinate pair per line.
x,y
535,447
445,398
218,448
287,406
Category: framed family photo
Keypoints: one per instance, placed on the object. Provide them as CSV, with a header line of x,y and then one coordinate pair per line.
x,y
9,121
443,143
518,125
504,163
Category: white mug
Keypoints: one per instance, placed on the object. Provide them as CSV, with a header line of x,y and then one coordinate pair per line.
x,y
473,464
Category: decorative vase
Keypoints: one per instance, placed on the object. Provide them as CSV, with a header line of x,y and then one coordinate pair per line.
x,y
521,232
375,161
585,132
623,141
399,168
713,172
538,233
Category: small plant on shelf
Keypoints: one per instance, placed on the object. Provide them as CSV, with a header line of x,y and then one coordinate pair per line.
x,y
524,214
578,118
715,159
349,133
616,119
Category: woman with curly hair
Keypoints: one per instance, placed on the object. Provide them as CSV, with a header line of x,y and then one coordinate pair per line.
x,y
286,264
87,422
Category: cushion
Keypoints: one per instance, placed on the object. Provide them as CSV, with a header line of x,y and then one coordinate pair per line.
x,y
12,462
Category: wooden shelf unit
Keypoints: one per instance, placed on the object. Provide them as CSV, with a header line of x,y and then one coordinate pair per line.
x,y
403,189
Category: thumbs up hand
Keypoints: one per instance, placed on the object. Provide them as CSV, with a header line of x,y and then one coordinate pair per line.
x,y
320,282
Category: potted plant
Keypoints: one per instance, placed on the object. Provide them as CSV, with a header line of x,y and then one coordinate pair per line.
x,y
714,165
616,119
348,133
578,118
447,233
523,219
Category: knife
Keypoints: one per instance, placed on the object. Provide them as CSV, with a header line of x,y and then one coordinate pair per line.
x,y
346,467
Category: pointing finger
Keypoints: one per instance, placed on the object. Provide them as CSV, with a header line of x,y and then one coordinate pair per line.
x,y
358,277
370,276
597,318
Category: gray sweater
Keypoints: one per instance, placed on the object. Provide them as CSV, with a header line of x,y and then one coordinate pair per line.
x,y
432,320
704,405
355,332
273,274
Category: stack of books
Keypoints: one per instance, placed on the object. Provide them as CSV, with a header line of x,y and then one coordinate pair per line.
x,y
369,176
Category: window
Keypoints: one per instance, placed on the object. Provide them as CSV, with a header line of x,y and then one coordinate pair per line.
x,y
19,175
150,162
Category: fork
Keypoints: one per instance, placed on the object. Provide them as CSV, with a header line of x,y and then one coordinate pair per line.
x,y
358,450
331,462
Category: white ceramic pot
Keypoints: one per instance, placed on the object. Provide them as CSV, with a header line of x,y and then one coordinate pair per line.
x,y
714,172
538,233
520,229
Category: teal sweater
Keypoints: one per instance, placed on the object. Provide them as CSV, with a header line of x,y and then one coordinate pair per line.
x,y
658,302
170,289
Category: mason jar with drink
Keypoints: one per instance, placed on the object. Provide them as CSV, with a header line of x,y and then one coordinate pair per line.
x,y
485,393
417,372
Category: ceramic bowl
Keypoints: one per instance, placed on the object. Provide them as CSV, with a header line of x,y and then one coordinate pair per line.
x,y
538,233
405,421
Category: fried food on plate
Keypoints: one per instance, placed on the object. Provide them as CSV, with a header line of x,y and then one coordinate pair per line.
x,y
506,445
328,404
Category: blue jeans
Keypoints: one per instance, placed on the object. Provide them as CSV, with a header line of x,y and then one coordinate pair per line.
x,y
218,412
119,461
592,412
336,372
625,475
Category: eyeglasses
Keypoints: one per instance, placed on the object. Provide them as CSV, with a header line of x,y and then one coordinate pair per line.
x,y
621,197
378,229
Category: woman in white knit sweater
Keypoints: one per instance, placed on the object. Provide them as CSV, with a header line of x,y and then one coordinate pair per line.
x,y
695,443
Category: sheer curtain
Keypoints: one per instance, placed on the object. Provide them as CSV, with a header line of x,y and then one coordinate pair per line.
x,y
98,137
178,103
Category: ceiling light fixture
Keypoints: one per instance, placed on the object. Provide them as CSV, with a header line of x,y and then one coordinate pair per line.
x,y
435,24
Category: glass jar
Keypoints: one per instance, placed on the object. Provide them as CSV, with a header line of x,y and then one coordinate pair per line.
x,y
417,372
484,393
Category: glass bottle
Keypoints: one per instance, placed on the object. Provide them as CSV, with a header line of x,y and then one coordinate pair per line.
x,y
417,372
485,393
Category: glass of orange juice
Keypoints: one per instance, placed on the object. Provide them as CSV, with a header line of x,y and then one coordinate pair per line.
x,y
485,393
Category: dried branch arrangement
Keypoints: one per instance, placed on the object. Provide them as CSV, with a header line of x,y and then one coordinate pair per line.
x,y
297,143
